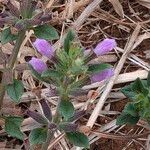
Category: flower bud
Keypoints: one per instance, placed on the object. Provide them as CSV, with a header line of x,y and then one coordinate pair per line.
x,y
107,73
38,65
105,46
44,48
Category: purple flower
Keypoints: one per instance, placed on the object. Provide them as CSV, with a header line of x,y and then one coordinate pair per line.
x,y
105,46
38,65
107,73
44,48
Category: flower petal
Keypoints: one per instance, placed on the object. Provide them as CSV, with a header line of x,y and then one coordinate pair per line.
x,y
107,73
44,48
105,46
38,65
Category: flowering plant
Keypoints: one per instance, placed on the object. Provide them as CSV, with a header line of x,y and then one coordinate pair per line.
x,y
69,71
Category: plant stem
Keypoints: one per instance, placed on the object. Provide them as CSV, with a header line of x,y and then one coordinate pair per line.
x,y
57,116
50,133
21,36
2,93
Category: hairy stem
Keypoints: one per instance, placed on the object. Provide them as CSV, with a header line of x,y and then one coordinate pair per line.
x,y
13,58
14,55
57,116
50,133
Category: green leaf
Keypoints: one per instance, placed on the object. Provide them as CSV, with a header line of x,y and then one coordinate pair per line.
x,y
15,90
127,91
148,79
46,32
6,36
130,109
125,118
66,109
69,38
139,87
96,68
78,139
12,126
53,74
76,52
38,136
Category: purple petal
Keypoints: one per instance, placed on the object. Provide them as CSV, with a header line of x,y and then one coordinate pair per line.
x,y
38,65
105,46
107,73
44,48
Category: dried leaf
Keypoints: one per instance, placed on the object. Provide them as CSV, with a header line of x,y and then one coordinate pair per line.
x,y
117,7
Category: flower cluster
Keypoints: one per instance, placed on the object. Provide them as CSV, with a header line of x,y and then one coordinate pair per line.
x,y
46,49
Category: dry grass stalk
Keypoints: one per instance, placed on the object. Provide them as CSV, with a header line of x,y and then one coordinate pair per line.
x,y
85,14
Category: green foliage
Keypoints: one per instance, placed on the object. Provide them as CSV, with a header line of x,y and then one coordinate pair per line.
x,y
27,9
66,109
127,91
78,139
38,136
68,71
46,32
148,80
52,75
130,109
125,118
96,68
12,126
7,36
15,90
139,87
69,38
139,93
